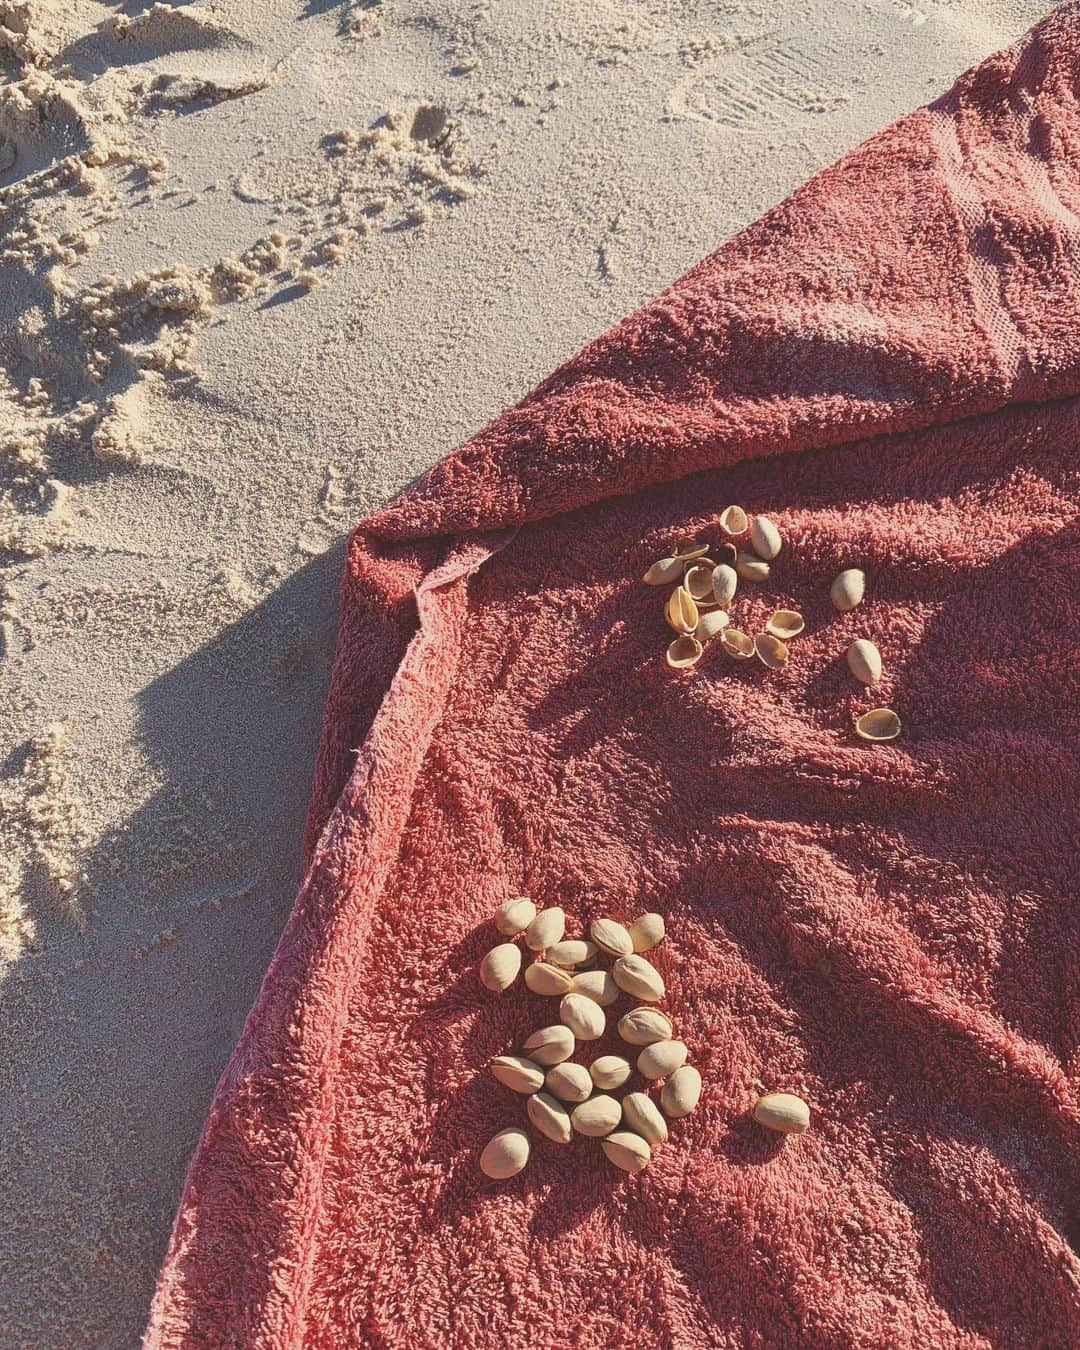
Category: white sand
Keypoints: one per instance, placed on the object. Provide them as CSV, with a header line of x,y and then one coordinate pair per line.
x,y
244,298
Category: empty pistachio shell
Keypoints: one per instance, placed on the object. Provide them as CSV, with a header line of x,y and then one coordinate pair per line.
x,y
518,1073
626,1150
550,1045
771,651
505,1155
661,1059
765,538
879,724
664,572
737,644
609,1071
584,1017
752,568
569,1082
864,661
711,624
733,520
785,623
691,549
548,980
698,581
848,588
514,916
640,1112
782,1112
546,929
681,611
684,652
635,976
646,931
597,985
724,553
644,1026
611,937
725,582
499,968
571,952
550,1117
681,1092
596,1117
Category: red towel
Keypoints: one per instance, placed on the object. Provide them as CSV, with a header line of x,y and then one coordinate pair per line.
x,y
887,364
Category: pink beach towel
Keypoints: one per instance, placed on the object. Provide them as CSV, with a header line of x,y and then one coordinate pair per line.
x,y
888,364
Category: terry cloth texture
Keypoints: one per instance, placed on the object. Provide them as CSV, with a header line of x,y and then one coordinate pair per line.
x,y
888,364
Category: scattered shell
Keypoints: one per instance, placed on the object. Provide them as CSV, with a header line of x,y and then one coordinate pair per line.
x,y
765,538
733,520
596,1117
637,977
505,1155
611,937
737,644
500,967
550,1117
725,582
879,724
547,980
848,588
711,624
597,985
550,1045
584,1017
785,623
752,568
684,652
627,1150
864,661
681,1093
698,581
686,551
646,931
664,572
514,916
571,952
609,1071
517,1073
546,929
725,553
681,611
661,1059
644,1026
569,1082
771,651
641,1113
782,1112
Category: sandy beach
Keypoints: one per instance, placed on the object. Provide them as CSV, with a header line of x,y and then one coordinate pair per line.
x,y
263,262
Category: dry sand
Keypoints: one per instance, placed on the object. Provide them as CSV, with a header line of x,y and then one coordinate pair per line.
x,y
262,262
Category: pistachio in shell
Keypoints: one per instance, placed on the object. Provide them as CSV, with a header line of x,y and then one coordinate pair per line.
x,y
864,661
514,916
647,931
569,1082
611,937
505,1155
546,929
661,1059
782,1112
518,1073
752,568
681,1092
848,589
547,980
644,1026
664,572
725,581
627,1150
641,1114
596,1117
550,1045
711,624
609,1071
597,985
765,538
500,967
550,1117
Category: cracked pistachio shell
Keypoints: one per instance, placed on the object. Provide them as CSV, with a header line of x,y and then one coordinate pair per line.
x,y
661,1059
550,1117
569,1082
550,1045
571,952
684,652
635,976
783,1112
597,985
785,623
738,645
596,1117
642,1115
505,1155
546,929
514,916
771,651
681,611
681,1092
752,568
609,1071
711,624
698,581
547,980
584,1017
611,937
765,538
848,589
500,967
664,572
628,1151
691,549
733,520
647,931
725,582
879,724
644,1026
864,661
517,1073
